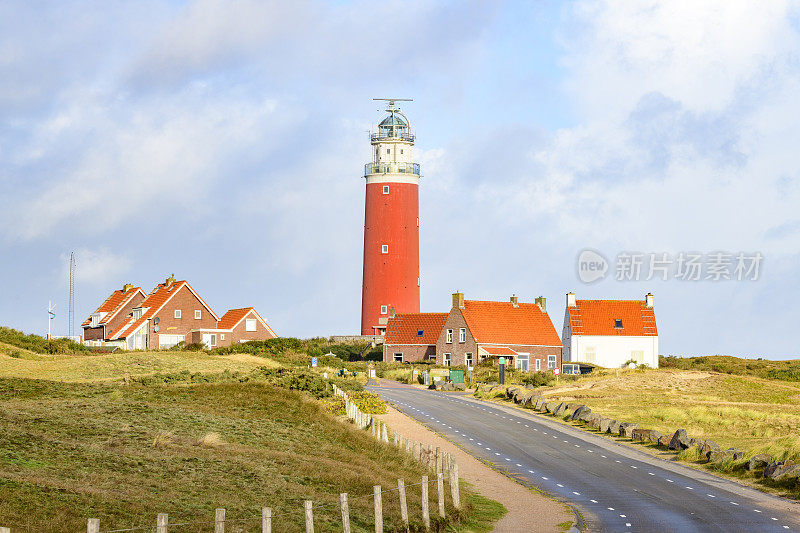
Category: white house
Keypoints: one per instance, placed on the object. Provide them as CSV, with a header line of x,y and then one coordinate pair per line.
x,y
609,333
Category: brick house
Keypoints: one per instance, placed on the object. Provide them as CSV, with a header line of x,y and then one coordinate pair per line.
x,y
164,318
173,312
609,333
235,326
521,332
411,337
110,314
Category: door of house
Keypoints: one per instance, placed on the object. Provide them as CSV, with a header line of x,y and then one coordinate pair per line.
x,y
210,340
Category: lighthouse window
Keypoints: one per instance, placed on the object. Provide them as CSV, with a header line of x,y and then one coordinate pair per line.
x,y
385,189
401,150
384,309
385,249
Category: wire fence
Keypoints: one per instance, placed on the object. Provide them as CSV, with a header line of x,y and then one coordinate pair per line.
x,y
442,463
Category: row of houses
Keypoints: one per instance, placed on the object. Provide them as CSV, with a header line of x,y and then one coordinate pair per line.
x,y
173,312
606,333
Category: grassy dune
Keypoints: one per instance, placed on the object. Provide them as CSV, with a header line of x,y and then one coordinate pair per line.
x,y
743,411
113,367
69,451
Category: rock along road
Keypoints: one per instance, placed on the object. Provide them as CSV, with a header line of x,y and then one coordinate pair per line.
x,y
616,488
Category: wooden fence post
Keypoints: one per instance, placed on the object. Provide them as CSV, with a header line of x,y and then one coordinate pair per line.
x,y
345,513
440,490
454,490
385,434
92,526
309,517
266,520
415,450
426,514
376,490
8,529
396,441
401,491
219,521
437,467
162,523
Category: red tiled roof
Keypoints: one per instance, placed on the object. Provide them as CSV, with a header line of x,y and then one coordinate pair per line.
x,y
502,323
404,328
154,301
597,317
498,350
112,304
232,318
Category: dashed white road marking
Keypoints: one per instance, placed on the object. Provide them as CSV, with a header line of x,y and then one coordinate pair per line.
x,y
670,481
576,493
560,485
507,459
593,501
627,524
519,464
497,453
531,471
756,510
650,474
603,456
710,495
610,508
734,503
690,488
623,516
544,478
634,466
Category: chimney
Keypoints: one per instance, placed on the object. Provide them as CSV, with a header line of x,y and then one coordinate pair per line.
x,y
571,299
458,300
541,301
391,312
127,287
648,299
170,280
513,301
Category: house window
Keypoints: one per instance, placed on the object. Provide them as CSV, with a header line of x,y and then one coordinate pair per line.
x,y
398,357
538,365
384,309
420,332
168,341
177,313
589,355
198,314
449,336
388,151
213,340
521,362
551,362
618,323
572,369
385,249
401,151
137,313
222,336
250,324
462,335
95,320
385,189
468,358
447,359
638,356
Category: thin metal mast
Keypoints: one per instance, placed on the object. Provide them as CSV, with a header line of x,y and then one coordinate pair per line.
x,y
71,317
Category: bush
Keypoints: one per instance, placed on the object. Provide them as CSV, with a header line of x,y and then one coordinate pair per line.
x,y
369,402
38,344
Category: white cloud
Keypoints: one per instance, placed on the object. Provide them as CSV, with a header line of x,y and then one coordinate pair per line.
x,y
98,267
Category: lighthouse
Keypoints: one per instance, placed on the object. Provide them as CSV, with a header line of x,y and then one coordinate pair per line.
x,y
391,224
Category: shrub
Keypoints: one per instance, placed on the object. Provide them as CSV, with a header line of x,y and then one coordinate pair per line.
x,y
369,402
38,344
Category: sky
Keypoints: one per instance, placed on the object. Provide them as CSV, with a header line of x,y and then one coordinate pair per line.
x,y
224,141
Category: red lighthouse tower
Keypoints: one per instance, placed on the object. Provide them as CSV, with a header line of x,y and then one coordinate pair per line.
x,y
391,224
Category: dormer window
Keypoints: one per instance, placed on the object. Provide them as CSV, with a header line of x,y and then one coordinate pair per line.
x,y
618,323
420,332
95,320
137,313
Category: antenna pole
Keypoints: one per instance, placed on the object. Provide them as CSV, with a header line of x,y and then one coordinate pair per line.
x,y
71,314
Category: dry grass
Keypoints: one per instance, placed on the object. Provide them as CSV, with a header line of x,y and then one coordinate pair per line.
x,y
211,440
750,413
114,367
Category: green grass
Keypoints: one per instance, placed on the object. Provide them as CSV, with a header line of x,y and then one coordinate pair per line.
x,y
38,344
70,451
781,370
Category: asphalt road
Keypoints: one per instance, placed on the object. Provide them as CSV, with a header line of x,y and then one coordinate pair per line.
x,y
616,487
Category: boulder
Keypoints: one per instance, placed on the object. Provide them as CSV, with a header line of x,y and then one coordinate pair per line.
x,y
586,415
459,386
578,412
653,436
771,468
759,461
526,399
787,472
664,441
560,409
613,427
715,456
593,420
638,434
708,446
680,441
510,392
626,429
539,405
604,424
